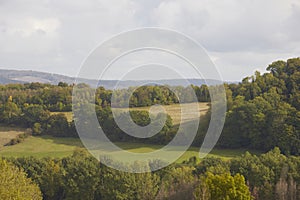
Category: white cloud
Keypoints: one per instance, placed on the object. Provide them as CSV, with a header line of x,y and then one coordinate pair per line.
x,y
27,27
57,35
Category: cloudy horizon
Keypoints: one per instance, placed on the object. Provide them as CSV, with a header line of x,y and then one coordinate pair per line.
x,y
239,36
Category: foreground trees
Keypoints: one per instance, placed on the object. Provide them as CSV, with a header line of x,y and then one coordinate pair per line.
x,y
15,185
80,176
222,186
120,185
270,175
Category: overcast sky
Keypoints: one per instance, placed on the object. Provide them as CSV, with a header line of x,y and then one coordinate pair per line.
x,y
240,36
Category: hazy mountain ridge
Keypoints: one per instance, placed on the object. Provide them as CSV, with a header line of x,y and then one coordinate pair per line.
x,y
22,76
27,76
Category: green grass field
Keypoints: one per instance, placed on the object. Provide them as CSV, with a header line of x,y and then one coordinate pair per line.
x,y
46,146
42,147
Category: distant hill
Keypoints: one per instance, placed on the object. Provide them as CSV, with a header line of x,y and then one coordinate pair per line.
x,y
4,80
27,76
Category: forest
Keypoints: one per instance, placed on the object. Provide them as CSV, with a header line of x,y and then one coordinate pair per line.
x,y
80,176
263,113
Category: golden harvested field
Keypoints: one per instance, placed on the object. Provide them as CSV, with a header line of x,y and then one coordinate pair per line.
x,y
174,111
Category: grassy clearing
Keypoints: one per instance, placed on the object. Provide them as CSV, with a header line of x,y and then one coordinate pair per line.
x,y
225,154
8,133
47,146
42,147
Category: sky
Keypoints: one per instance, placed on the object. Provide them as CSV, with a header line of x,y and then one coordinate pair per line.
x,y
56,36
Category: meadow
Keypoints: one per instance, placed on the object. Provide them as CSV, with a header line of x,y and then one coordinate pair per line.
x,y
47,146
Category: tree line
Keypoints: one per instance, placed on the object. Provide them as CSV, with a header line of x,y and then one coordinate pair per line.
x,y
80,176
58,98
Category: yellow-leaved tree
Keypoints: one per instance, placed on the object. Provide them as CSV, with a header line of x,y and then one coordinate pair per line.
x,y
15,185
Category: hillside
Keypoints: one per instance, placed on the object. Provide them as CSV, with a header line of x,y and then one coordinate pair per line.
x,y
28,76
24,76
4,80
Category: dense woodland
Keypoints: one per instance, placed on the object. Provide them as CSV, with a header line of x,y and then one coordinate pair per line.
x,y
264,110
80,176
263,113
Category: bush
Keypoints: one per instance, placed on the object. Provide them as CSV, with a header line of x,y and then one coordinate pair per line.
x,y
20,138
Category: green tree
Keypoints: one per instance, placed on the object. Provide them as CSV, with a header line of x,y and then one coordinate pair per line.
x,y
15,185
81,176
178,183
35,114
10,112
224,187
121,185
57,125
37,129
